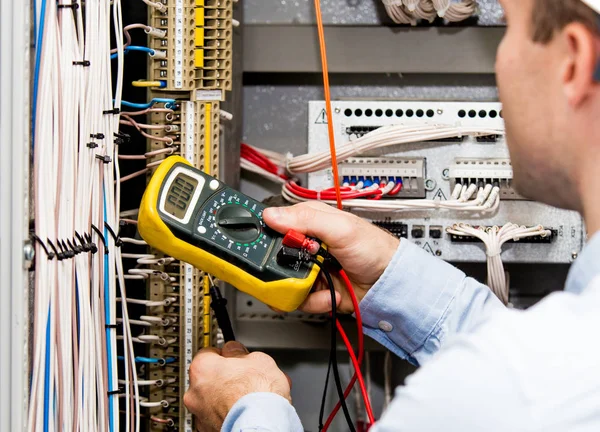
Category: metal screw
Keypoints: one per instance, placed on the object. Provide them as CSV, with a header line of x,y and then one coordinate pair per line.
x,y
28,252
440,111
430,184
446,174
337,110
438,253
574,255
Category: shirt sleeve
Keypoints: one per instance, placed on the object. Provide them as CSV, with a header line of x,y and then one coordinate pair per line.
x,y
262,412
420,301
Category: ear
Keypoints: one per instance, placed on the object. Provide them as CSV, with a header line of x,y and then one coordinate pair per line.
x,y
581,65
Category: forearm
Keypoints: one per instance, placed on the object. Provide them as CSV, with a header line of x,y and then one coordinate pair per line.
x,y
262,412
420,301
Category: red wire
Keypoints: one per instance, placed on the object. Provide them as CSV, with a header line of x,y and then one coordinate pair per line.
x,y
396,189
328,195
361,381
249,152
359,360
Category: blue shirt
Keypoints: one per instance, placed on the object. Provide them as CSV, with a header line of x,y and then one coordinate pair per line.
x,y
483,367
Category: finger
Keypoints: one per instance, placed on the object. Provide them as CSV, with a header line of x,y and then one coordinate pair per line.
x,y
314,219
319,302
289,380
208,352
234,349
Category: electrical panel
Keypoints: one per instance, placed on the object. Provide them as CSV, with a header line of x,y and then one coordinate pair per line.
x,y
439,167
117,323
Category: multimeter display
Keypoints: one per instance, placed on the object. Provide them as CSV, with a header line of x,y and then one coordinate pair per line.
x,y
180,195
196,218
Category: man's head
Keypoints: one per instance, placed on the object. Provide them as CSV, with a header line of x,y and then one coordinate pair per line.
x,y
545,68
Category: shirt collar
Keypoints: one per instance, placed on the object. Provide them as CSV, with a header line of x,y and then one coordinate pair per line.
x,y
586,268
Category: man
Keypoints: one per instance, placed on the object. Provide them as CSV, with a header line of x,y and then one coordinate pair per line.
x,y
483,367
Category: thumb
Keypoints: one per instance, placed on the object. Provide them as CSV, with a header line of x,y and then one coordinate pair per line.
x,y
234,349
311,218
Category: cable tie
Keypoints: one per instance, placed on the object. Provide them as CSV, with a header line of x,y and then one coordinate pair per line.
x,y
74,246
95,228
118,241
113,111
85,247
73,6
92,245
493,255
92,145
105,159
69,253
118,391
50,255
97,136
59,255
84,63
122,138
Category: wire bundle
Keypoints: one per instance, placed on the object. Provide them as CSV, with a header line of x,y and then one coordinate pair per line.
x,y
385,137
262,162
494,238
410,11
487,199
74,363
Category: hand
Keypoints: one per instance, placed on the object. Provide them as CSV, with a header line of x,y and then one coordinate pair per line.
x,y
363,249
220,377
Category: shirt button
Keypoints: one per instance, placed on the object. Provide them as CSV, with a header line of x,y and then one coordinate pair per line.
x,y
385,326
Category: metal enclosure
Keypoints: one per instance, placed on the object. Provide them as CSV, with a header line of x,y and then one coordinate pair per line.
x,y
15,251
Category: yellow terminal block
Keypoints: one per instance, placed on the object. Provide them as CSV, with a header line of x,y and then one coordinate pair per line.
x,y
199,17
199,37
199,58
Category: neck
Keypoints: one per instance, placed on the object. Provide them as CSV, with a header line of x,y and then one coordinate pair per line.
x,y
590,200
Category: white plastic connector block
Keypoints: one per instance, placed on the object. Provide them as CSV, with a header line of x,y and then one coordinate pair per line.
x,y
159,54
500,169
156,32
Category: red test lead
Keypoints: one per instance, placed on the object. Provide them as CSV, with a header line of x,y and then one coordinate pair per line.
x,y
296,240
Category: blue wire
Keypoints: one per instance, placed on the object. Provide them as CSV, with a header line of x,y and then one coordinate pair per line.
x,y
47,377
147,50
36,71
151,360
169,103
109,354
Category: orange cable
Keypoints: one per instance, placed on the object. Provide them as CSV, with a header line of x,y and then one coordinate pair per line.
x,y
334,166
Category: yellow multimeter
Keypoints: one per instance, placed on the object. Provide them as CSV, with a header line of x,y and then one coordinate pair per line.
x,y
197,219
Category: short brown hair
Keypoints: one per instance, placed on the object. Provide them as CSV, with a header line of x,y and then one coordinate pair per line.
x,y
550,16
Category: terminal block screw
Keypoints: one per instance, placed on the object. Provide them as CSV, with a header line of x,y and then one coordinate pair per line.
x,y
337,110
446,174
28,253
430,184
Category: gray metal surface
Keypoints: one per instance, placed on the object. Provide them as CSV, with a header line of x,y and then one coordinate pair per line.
x,y
342,12
14,210
440,156
280,48
276,116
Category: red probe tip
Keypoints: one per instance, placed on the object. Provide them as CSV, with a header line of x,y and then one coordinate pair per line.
x,y
294,239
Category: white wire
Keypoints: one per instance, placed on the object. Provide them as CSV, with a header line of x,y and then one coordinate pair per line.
x,y
494,238
249,166
384,137
482,204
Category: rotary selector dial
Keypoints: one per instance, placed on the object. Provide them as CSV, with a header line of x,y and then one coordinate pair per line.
x,y
234,223
238,223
